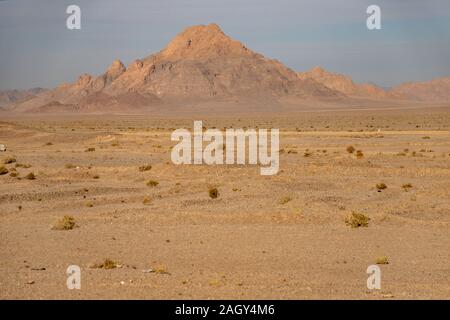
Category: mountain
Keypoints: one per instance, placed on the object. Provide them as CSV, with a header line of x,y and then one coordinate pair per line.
x,y
344,84
9,97
435,90
201,63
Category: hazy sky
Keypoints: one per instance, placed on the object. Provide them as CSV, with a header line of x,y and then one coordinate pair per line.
x,y
36,48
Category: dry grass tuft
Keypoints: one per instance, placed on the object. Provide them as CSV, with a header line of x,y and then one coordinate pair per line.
x,y
285,200
147,201
356,220
350,149
9,160
65,223
3,170
381,186
382,260
359,154
160,269
407,186
30,176
213,193
106,264
152,183
70,166
145,168
90,150
23,165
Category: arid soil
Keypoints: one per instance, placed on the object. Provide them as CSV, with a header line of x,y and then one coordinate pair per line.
x,y
263,237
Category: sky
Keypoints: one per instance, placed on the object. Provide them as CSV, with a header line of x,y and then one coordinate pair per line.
x,y
37,49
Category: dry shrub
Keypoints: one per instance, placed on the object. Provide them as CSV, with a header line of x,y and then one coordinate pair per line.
x,y
407,186
359,154
381,186
70,166
30,176
160,269
213,193
382,260
90,149
9,160
285,200
145,168
350,149
356,220
65,223
23,165
147,201
106,264
3,170
152,183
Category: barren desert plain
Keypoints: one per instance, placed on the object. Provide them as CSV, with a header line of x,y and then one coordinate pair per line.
x,y
141,227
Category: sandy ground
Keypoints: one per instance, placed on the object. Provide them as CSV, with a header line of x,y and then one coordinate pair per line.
x,y
248,243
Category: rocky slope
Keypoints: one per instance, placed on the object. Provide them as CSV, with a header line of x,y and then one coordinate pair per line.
x,y
343,83
8,97
434,90
201,63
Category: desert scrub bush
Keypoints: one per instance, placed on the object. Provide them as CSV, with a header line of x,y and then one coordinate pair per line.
x,y
213,193
285,200
95,176
106,264
356,220
23,165
381,186
382,260
350,149
3,170
69,166
147,201
160,269
89,204
152,183
65,223
90,149
9,160
307,154
407,186
359,154
145,168
14,174
48,144
30,176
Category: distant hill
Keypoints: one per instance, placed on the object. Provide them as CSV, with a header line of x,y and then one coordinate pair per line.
x,y
203,64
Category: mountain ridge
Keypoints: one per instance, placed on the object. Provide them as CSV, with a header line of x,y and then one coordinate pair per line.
x,y
202,63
